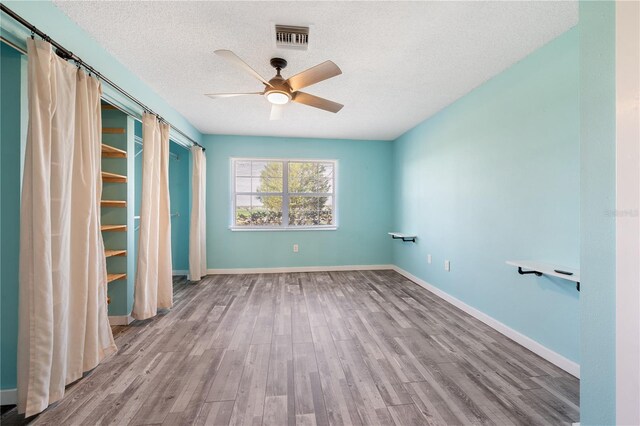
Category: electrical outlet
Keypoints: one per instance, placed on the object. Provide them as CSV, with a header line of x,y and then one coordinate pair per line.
x,y
429,259
447,265
295,248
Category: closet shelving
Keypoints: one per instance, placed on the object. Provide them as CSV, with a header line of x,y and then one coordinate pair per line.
x,y
113,228
113,178
113,203
114,130
112,253
115,277
117,206
109,151
112,152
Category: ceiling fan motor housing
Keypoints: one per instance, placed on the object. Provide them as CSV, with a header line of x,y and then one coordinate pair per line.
x,y
278,63
279,86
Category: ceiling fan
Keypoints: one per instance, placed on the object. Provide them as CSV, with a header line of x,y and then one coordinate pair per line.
x,y
279,91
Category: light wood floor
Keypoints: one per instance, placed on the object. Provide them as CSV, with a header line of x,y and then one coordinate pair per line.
x,y
315,348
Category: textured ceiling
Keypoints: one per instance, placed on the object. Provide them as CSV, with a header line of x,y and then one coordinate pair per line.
x,y
401,61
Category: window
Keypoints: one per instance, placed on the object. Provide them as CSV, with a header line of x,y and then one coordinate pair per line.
x,y
283,194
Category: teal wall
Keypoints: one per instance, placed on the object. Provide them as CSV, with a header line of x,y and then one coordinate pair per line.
x,y
364,213
10,133
496,177
179,185
138,172
179,188
597,199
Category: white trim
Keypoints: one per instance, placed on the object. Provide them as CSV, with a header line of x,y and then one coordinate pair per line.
x,y
627,215
280,229
295,160
555,358
120,320
8,396
286,269
180,272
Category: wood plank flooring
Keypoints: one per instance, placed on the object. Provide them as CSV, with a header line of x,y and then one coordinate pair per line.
x,y
326,348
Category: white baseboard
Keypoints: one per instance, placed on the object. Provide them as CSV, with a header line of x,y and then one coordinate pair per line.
x,y
180,272
120,320
8,396
298,269
555,358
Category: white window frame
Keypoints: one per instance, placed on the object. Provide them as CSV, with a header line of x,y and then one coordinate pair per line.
x,y
285,196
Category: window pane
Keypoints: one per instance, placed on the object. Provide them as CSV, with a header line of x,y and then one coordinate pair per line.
x,y
299,217
326,169
243,184
309,211
326,213
257,167
266,168
243,210
329,187
310,217
302,177
243,168
303,203
243,201
304,218
266,211
274,169
267,185
310,177
324,179
296,210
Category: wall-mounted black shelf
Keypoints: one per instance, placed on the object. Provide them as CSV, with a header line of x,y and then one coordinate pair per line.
x,y
404,237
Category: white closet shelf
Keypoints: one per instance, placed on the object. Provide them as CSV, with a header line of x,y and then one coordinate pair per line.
x,y
541,268
403,237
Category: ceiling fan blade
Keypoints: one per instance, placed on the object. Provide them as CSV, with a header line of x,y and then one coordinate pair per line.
x,y
230,95
235,60
314,75
317,102
277,112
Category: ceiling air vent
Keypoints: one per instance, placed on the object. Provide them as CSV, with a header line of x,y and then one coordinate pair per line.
x,y
290,37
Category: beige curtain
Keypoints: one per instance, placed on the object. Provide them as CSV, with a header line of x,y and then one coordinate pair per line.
x,y
198,225
153,289
63,323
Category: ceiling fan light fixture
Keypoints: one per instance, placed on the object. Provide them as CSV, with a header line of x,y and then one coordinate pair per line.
x,y
277,97
279,91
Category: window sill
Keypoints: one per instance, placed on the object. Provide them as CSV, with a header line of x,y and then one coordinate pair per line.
x,y
297,228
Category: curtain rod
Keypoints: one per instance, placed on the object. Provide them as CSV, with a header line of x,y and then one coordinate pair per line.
x,y
69,55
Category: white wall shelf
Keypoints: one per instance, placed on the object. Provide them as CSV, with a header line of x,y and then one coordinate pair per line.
x,y
403,237
539,268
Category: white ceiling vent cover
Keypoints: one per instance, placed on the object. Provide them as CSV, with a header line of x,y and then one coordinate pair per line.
x,y
290,37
